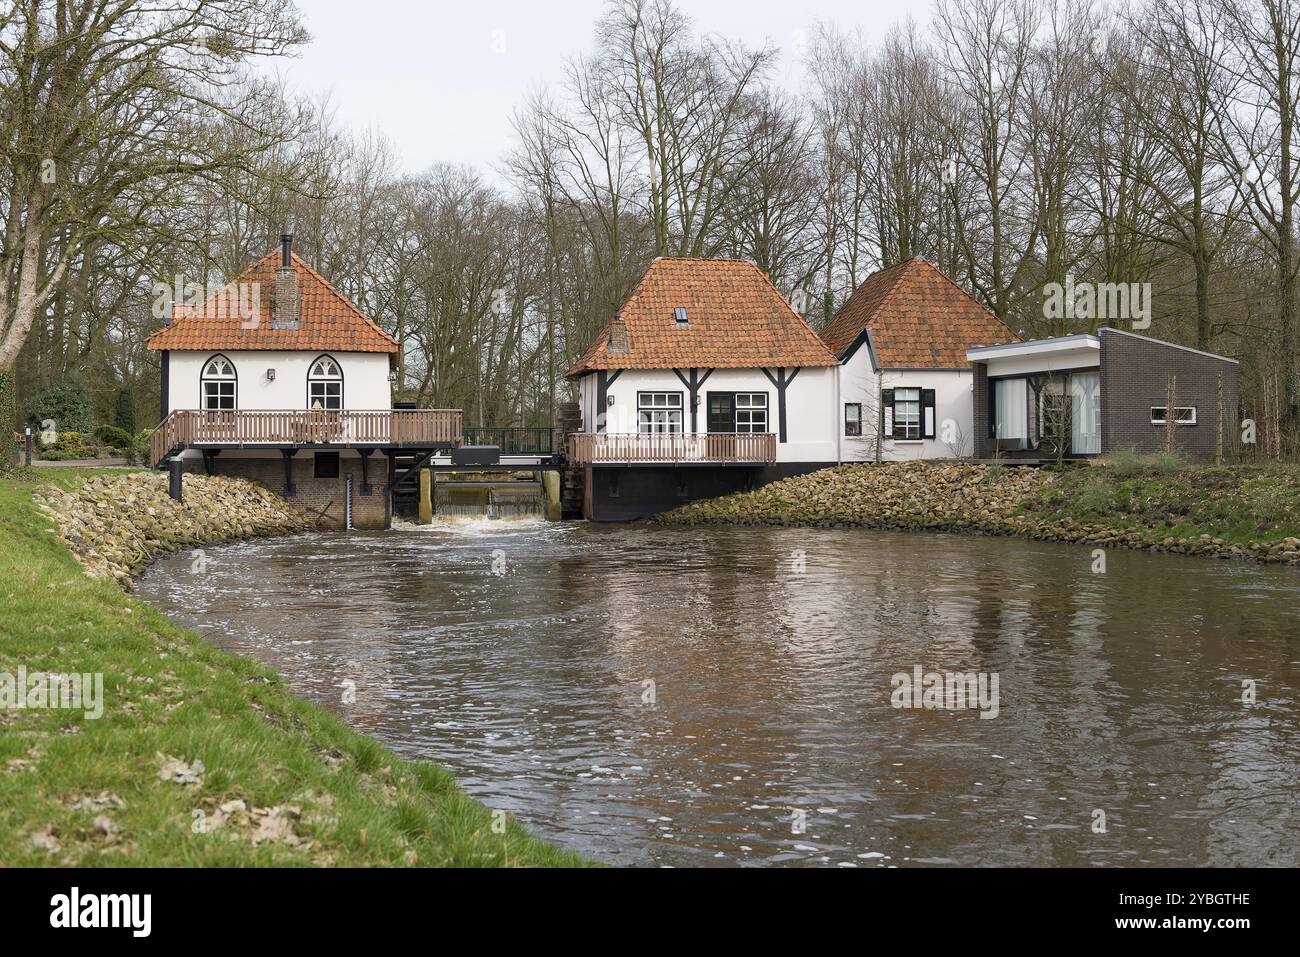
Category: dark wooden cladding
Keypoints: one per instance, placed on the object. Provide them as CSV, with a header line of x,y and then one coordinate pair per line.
x,y
594,448
396,428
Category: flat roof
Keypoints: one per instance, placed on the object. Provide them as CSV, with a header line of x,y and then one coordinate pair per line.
x,y
1033,347
1079,340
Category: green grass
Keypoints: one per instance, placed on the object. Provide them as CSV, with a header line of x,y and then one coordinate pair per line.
x,y
169,692
1167,495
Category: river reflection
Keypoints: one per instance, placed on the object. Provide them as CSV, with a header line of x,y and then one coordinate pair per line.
x,y
723,696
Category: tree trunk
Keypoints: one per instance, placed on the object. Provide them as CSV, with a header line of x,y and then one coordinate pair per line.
x,y
8,420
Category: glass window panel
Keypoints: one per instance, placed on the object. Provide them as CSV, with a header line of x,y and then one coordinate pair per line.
x,y
655,421
751,420
853,418
1012,413
1085,413
907,414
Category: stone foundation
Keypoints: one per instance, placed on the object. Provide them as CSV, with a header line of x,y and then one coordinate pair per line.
x,y
323,501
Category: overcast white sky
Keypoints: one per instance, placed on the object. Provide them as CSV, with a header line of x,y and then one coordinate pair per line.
x,y
440,78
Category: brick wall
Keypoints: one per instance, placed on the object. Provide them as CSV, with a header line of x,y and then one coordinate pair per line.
x,y
1135,376
980,410
323,500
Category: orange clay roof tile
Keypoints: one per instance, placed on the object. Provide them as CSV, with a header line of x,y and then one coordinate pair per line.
x,y
736,319
328,321
919,319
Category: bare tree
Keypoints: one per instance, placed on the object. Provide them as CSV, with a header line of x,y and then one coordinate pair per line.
x,y
985,53
685,100
1177,93
100,101
1260,134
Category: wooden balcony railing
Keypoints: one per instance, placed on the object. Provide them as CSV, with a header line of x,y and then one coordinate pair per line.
x,y
594,448
397,428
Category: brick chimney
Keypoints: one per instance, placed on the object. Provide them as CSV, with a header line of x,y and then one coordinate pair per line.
x,y
285,314
617,334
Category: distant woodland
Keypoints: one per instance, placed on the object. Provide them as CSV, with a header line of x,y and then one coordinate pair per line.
x,y
1015,143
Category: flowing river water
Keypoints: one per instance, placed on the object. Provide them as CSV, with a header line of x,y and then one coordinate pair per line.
x,y
724,696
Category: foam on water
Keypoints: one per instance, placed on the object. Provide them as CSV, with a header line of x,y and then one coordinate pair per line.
x,y
476,526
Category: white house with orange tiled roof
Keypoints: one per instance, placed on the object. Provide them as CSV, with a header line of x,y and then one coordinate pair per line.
x,y
905,380
706,381
257,345
280,378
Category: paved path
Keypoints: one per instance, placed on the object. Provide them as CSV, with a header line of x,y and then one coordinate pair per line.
x,y
80,463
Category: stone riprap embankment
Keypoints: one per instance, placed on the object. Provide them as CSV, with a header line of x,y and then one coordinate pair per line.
x,y
116,524
897,496
957,497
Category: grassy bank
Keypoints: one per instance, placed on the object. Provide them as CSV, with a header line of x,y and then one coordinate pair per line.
x,y
1252,507
1153,502
200,758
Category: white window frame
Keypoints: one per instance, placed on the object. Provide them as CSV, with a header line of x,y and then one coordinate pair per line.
x,y
660,413
221,377
1178,409
907,435
325,376
754,409
857,406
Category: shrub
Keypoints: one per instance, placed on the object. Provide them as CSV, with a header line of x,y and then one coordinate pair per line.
x,y
1095,499
70,445
1126,464
66,403
115,437
66,455
136,450
124,412
1268,504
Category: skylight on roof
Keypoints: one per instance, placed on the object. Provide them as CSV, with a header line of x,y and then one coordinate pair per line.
x,y
680,314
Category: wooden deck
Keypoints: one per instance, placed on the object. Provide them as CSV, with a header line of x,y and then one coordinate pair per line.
x,y
709,448
399,428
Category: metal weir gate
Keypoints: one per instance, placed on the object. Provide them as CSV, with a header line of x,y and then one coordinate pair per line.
x,y
495,473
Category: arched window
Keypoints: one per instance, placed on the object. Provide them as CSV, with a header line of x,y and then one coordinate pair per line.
x,y
218,385
325,385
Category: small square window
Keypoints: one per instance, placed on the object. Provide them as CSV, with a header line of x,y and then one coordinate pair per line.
x,y
327,465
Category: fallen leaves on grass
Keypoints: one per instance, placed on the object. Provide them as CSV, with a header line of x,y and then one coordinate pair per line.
x,y
261,825
97,802
47,839
105,828
176,770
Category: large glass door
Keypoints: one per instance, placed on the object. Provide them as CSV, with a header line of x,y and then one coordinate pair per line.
x,y
1011,414
1085,418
